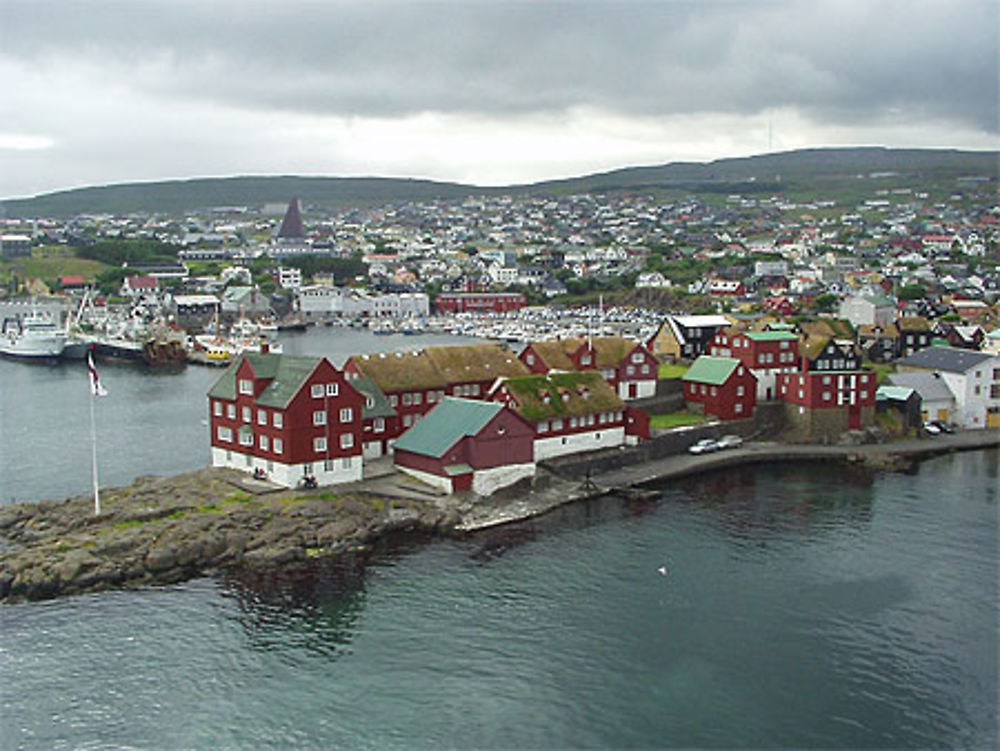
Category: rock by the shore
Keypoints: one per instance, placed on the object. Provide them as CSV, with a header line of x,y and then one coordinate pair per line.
x,y
164,530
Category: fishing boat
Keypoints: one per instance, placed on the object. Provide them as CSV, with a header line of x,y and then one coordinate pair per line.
x,y
35,335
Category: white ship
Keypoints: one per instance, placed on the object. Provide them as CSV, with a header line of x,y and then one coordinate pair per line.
x,y
34,335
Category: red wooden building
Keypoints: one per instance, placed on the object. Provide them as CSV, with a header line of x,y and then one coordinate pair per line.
x,y
765,353
466,444
288,417
720,386
478,302
414,382
629,367
571,412
823,404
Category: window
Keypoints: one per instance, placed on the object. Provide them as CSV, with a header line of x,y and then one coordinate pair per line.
x,y
529,359
217,409
407,421
246,438
317,391
738,407
543,426
802,394
346,440
645,369
977,390
379,424
826,396
637,357
307,468
328,465
346,414
407,400
224,434
417,399
740,390
713,391
585,360
319,444
246,414
319,417
826,380
278,445
572,422
231,411
278,420
630,370
345,463
332,389
557,425
263,442
261,417
393,400
246,386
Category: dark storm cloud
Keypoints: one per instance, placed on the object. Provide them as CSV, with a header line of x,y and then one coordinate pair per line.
x,y
840,61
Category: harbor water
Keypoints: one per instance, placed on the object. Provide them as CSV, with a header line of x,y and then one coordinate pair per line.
x,y
773,606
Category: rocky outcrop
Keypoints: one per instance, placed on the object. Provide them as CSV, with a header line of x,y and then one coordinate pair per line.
x,y
164,530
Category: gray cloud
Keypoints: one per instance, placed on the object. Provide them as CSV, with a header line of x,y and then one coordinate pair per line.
x,y
843,60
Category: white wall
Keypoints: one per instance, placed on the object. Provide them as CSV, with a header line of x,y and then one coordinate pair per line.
x,y
970,408
644,389
546,448
435,481
488,481
289,475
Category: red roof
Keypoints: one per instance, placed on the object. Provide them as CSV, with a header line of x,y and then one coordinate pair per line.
x,y
72,280
142,282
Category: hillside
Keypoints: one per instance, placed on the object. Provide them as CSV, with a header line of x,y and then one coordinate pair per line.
x,y
809,171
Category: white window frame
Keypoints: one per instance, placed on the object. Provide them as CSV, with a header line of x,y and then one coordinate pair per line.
x,y
278,446
332,389
246,386
319,417
319,444
217,408
224,434
347,440
317,391
261,417
346,414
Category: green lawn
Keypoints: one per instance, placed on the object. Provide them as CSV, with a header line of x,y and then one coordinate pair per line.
x,y
669,370
882,370
675,420
51,262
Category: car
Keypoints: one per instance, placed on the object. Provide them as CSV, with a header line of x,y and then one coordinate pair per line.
x,y
730,442
704,446
943,426
931,429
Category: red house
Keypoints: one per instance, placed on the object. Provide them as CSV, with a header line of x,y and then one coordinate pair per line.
x,y
478,302
414,382
720,386
765,353
289,417
570,412
823,404
466,444
629,367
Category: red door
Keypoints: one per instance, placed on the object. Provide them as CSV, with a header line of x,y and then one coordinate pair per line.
x,y
854,417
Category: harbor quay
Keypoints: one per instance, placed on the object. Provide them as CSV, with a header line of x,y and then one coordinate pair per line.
x,y
162,530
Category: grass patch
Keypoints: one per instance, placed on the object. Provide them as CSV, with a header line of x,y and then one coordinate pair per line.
x,y
669,371
128,524
676,420
882,371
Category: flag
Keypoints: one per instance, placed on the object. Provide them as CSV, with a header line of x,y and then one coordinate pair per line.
x,y
96,389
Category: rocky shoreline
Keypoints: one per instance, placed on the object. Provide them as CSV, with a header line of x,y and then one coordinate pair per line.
x,y
162,530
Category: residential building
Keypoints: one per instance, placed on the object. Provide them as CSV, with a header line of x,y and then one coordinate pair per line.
x,y
765,353
685,337
871,309
820,405
290,417
937,402
973,378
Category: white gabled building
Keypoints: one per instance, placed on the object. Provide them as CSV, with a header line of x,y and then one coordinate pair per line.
x,y
973,377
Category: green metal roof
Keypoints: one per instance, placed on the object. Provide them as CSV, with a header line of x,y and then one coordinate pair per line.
x,y
371,392
711,370
771,336
446,424
287,373
894,393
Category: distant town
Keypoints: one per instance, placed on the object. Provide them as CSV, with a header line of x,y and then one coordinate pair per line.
x,y
607,317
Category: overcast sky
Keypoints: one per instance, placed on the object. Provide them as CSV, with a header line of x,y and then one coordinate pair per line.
x,y
478,91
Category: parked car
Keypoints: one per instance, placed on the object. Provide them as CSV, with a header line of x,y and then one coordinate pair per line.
x,y
943,426
730,442
704,446
931,429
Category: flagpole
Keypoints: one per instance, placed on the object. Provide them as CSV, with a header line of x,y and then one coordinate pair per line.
x,y
93,453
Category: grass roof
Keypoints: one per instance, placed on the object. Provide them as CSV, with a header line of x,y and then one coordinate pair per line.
x,y
556,395
476,362
401,371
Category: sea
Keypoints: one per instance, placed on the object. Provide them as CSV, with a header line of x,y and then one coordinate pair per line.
x,y
772,606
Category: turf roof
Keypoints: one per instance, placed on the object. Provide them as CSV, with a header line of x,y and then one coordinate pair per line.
x,y
569,395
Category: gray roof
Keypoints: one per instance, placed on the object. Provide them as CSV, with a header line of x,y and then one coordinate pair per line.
x,y
930,386
950,359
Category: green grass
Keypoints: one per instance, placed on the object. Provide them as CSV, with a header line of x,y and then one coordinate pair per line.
x,y
669,371
882,370
675,420
51,262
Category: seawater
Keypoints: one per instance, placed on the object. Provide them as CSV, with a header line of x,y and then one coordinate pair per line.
x,y
801,607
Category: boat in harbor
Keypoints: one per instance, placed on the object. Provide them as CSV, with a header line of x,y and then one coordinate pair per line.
x,y
33,336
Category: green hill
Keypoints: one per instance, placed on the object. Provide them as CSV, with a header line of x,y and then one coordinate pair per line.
x,y
803,172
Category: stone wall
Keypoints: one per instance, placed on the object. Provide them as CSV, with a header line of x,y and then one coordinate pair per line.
x,y
820,425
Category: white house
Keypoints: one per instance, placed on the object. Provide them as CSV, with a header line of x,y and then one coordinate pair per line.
x,y
973,377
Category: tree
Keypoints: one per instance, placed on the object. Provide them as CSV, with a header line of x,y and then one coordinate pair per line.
x,y
912,292
825,302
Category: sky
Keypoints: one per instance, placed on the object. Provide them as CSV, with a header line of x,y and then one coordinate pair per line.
x,y
479,91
